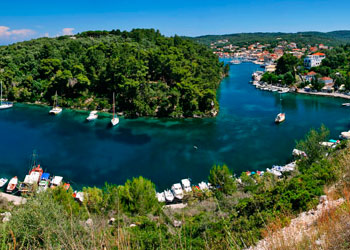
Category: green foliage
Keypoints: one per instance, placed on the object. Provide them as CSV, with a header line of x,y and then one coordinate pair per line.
x,y
221,177
152,75
138,196
311,144
286,63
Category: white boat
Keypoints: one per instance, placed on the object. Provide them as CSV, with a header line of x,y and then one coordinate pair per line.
x,y
92,116
235,61
346,104
281,117
4,105
3,181
283,91
56,109
274,172
115,119
186,185
345,135
12,184
168,195
43,185
56,181
160,197
203,186
177,191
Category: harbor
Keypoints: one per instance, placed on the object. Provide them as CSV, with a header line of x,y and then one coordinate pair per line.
x,y
243,136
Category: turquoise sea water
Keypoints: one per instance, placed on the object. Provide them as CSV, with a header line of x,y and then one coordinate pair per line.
x,y
243,136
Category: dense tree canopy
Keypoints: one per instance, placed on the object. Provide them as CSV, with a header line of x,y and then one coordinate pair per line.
x,y
152,75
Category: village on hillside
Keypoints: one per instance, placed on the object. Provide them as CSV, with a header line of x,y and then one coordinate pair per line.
x,y
306,80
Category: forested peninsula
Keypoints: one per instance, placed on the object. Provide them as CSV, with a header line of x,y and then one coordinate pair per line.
x,y
151,75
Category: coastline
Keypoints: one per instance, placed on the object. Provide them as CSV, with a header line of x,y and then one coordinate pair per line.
x,y
334,95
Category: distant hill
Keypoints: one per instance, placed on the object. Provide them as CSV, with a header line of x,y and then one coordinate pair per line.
x,y
311,37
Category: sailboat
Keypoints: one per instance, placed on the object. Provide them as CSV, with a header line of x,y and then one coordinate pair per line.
x,y
4,105
281,117
56,109
115,119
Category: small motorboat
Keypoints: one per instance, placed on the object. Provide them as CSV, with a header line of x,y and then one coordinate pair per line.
x,y
186,185
160,197
92,116
3,181
66,186
203,186
281,117
12,185
56,181
346,104
177,191
43,185
169,195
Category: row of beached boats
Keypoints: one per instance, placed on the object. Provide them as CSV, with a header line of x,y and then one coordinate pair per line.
x,y
92,116
178,190
36,181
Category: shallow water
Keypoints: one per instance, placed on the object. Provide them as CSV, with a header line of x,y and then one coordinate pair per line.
x,y
243,136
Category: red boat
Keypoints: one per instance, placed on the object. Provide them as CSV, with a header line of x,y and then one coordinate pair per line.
x,y
36,169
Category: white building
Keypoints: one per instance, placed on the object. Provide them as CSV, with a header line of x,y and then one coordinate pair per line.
x,y
314,60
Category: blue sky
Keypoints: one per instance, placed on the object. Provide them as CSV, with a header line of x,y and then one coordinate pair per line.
x,y
22,20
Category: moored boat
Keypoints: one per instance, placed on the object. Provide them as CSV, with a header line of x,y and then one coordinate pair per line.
x,y
115,119
281,117
12,185
92,116
56,109
169,195
177,191
4,105
186,185
56,181
346,104
3,181
161,197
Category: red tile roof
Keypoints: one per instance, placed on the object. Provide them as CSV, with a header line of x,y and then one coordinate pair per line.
x,y
318,54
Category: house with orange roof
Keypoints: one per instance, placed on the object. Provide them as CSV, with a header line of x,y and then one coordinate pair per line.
x,y
314,60
309,76
313,49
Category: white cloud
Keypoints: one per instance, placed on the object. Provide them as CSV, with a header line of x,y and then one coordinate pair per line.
x,y
7,33
46,34
67,31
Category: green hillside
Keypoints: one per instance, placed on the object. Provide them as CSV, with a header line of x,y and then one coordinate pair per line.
x,y
151,75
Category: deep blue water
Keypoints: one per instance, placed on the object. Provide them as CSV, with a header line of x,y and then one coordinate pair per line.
x,y
243,136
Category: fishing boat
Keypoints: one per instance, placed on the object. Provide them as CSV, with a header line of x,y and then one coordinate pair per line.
x,y
186,185
160,197
169,195
66,186
12,185
56,181
56,109
281,117
4,105
177,191
115,119
3,181
92,116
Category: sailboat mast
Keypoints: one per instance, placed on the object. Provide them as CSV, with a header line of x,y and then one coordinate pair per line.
x,y
113,106
281,103
1,95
